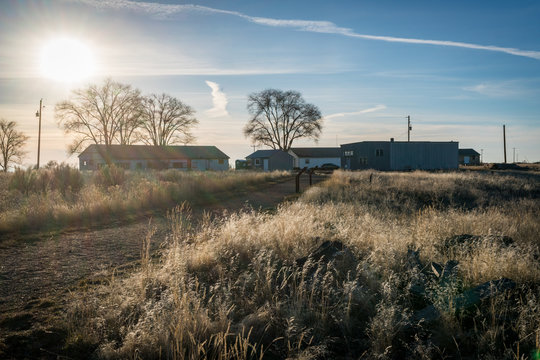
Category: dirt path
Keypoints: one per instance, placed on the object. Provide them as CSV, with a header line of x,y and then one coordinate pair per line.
x,y
31,271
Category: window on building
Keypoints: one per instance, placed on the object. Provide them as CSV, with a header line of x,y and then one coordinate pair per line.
x,y
348,153
221,161
257,161
307,161
139,165
178,165
123,165
379,152
363,161
84,163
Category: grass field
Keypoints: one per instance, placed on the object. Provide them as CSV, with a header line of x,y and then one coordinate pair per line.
x,y
63,197
399,278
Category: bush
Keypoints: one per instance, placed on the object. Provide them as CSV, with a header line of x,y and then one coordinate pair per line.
x,y
110,175
23,180
65,177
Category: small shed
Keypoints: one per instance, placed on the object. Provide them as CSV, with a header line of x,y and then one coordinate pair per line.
x,y
315,156
468,157
269,160
139,157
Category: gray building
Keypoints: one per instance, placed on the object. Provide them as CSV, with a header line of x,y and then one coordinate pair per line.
x,y
269,160
400,155
469,157
138,157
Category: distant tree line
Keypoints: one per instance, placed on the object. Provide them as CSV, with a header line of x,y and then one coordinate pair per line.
x,y
116,113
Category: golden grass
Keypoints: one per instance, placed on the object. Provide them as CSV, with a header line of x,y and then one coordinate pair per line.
x,y
96,204
233,289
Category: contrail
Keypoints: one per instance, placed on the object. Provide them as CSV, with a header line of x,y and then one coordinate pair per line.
x,y
327,27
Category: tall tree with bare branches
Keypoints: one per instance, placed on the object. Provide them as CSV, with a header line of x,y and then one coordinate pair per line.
x,y
11,144
109,113
166,121
279,117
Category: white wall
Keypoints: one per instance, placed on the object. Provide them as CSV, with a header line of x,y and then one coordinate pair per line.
x,y
318,162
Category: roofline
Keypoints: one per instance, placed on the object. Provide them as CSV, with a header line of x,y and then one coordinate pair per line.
x,y
404,142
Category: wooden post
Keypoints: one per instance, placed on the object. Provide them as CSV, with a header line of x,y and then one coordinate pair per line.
x,y
298,179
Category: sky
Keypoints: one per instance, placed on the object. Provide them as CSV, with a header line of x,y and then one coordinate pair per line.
x,y
459,69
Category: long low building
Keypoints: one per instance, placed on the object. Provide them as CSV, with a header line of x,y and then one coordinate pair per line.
x,y
400,155
138,157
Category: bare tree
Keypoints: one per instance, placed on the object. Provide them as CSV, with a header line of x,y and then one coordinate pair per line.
x,y
280,117
106,114
166,121
11,144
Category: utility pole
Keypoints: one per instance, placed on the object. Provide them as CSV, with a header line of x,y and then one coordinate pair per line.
x,y
38,114
409,128
481,156
504,142
514,155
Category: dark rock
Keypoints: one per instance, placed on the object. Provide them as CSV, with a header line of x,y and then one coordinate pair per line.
x,y
467,299
328,251
413,260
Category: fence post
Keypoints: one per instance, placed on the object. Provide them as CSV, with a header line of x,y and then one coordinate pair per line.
x,y
311,171
298,179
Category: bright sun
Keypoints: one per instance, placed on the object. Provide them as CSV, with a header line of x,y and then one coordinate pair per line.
x,y
66,60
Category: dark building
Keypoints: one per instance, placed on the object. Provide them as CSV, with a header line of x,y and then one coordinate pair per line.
x,y
469,157
400,155
269,160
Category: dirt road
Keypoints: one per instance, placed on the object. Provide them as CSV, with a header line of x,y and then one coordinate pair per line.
x,y
46,267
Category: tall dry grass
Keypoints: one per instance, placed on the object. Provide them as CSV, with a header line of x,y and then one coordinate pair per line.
x,y
234,288
63,196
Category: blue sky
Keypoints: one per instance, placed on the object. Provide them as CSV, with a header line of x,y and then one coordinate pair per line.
x,y
460,69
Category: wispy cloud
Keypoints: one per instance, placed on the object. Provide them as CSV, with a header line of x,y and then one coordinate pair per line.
x,y
523,88
327,27
360,112
219,99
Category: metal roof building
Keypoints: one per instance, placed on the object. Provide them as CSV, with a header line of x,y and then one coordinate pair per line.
x,y
153,157
400,155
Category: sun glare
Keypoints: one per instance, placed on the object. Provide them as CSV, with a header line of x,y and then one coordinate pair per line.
x,y
66,60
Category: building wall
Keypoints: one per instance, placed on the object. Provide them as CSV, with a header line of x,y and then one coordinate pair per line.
x,y
469,160
386,155
94,161
280,160
424,155
312,162
366,155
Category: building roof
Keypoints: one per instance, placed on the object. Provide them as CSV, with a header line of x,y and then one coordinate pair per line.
x,y
151,152
403,142
468,152
262,153
317,152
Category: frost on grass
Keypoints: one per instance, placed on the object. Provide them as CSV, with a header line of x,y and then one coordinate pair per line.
x,y
252,285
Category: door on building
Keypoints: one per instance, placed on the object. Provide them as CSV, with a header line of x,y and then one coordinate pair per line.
x,y
265,164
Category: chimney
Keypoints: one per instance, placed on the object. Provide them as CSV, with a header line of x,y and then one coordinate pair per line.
x,y
391,139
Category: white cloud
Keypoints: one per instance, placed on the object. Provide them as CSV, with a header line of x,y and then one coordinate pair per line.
x,y
511,88
164,10
360,112
219,99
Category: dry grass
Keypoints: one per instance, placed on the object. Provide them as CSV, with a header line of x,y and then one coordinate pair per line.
x,y
235,289
30,200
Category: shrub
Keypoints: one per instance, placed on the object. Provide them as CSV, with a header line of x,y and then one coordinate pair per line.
x,y
109,175
65,177
23,180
